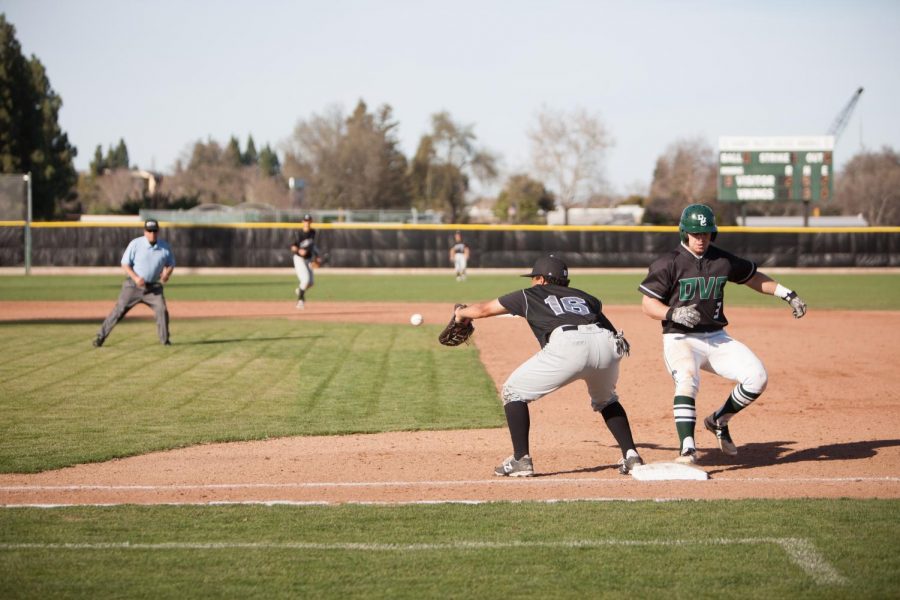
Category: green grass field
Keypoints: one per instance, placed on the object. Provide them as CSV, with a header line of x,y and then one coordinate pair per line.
x,y
64,403
821,291
683,549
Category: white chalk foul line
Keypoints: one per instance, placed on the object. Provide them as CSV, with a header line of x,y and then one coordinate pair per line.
x,y
534,481
800,551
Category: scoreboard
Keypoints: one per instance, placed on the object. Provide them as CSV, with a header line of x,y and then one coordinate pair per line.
x,y
775,169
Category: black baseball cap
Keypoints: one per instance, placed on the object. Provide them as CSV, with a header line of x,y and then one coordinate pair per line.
x,y
151,225
549,266
307,217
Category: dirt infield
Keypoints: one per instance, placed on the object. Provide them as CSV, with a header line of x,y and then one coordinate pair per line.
x,y
826,427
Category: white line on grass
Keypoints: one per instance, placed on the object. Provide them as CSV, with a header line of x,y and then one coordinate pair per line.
x,y
800,551
372,484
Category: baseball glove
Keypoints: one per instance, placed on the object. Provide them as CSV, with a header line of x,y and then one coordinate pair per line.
x,y
455,333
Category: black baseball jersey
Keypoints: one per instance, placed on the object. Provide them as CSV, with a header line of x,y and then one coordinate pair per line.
x,y
459,248
546,307
307,240
680,279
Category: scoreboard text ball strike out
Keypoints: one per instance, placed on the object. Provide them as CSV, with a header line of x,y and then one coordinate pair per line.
x,y
775,169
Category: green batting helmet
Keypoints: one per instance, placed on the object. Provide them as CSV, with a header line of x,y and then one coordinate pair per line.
x,y
697,218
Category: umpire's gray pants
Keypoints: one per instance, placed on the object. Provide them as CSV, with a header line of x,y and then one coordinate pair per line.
x,y
587,353
130,296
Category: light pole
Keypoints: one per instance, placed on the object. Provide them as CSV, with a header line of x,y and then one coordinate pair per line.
x,y
27,178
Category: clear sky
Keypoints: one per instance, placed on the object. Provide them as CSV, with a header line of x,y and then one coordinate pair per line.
x,y
164,73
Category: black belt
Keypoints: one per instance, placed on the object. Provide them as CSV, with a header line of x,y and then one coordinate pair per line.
x,y
573,327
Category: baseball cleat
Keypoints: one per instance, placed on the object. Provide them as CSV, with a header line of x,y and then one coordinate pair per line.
x,y
515,468
300,305
688,456
627,464
726,444
98,341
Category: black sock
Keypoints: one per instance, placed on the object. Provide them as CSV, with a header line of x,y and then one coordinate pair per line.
x,y
302,294
519,422
617,422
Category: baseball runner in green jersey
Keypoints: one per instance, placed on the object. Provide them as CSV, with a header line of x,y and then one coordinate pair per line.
x,y
685,289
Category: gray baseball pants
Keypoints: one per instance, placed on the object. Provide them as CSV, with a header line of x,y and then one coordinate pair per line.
x,y
130,296
587,353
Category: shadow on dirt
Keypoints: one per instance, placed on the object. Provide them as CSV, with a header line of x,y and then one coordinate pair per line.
x,y
780,452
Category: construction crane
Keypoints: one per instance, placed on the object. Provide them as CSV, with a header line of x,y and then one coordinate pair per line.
x,y
844,116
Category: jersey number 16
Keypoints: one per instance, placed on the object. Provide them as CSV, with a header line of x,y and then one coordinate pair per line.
x,y
572,304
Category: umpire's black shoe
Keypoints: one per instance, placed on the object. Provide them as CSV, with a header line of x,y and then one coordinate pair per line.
x,y
98,341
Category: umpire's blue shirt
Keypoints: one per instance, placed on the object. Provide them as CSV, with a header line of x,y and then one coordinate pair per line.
x,y
146,260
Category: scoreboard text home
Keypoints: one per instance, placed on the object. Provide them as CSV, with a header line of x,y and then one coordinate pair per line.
x,y
775,169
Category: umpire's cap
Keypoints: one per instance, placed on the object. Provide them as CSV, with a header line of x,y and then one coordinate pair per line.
x,y
151,225
549,266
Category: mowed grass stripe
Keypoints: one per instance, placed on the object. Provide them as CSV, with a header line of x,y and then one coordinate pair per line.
x,y
801,552
727,549
226,380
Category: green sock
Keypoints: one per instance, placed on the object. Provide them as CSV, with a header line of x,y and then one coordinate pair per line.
x,y
685,418
738,400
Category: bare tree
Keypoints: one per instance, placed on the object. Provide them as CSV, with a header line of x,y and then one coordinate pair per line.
x,y
870,185
312,155
684,174
568,152
351,162
444,162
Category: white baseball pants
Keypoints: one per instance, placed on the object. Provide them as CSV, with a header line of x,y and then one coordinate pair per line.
x,y
304,271
716,352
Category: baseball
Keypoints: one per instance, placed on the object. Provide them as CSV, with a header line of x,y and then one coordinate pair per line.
x,y
416,319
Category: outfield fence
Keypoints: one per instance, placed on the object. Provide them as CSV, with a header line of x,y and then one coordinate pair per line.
x,y
400,246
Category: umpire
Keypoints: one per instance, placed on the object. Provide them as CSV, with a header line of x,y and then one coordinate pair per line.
x,y
148,262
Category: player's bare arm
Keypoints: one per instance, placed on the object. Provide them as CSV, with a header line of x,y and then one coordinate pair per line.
x,y
764,284
489,308
654,308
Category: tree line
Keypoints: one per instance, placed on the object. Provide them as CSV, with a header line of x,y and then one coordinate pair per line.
x,y
354,161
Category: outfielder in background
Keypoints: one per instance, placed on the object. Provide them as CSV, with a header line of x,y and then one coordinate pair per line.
x,y
459,256
685,289
148,262
304,252
577,342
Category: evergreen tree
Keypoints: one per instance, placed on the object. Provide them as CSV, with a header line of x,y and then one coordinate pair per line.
x,y
268,162
232,157
98,165
121,156
250,157
522,200
30,137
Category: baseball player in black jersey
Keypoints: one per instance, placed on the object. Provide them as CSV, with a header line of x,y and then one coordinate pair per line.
x,y
577,342
685,289
459,256
305,252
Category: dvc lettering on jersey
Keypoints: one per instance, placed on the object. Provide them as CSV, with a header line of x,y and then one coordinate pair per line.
x,y
709,287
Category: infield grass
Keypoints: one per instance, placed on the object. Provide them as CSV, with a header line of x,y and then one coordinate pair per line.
x,y
821,291
64,402
682,549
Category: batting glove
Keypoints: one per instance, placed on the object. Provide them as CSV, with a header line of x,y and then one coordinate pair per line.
x,y
684,315
797,304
